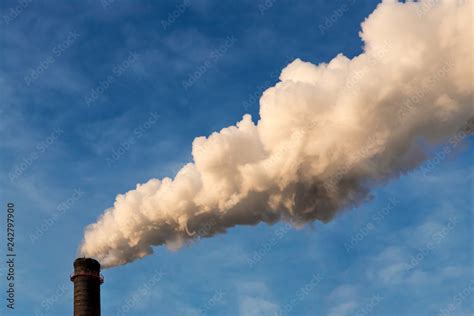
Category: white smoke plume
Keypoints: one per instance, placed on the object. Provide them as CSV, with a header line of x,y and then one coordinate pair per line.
x,y
327,134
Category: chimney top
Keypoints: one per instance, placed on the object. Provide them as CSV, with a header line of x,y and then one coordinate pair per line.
x,y
86,265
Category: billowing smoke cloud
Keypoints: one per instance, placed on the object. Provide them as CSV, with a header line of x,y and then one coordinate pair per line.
x,y
327,134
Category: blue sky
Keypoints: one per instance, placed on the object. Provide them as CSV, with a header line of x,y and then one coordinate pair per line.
x,y
79,79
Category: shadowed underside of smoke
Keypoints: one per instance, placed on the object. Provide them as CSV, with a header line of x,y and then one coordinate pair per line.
x,y
327,134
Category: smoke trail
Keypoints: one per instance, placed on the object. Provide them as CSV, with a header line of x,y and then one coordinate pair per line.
x,y
327,134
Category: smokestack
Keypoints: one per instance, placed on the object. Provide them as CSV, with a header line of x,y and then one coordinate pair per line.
x,y
87,280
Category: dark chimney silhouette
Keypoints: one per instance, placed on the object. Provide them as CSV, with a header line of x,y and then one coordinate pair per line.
x,y
87,280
